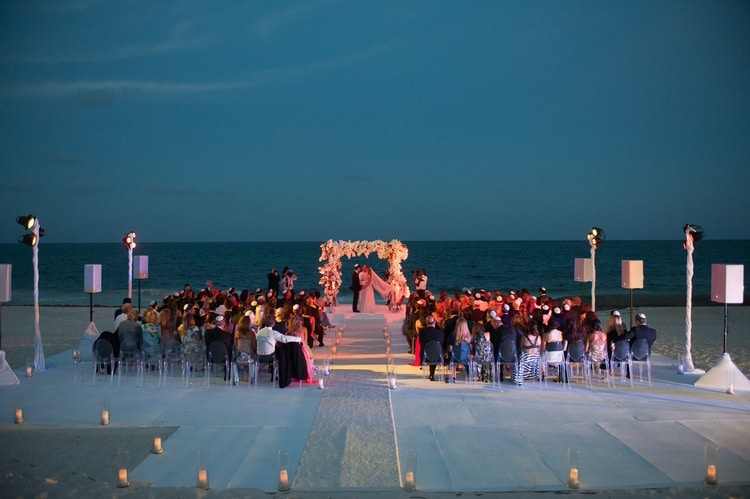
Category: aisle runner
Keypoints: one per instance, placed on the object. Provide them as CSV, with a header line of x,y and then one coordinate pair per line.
x,y
352,441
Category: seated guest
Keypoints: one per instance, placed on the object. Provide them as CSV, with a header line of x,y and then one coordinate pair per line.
x,y
214,332
129,332
151,337
298,329
554,346
193,347
267,337
429,333
528,362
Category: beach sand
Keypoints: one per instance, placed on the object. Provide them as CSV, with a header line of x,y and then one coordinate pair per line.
x,y
48,461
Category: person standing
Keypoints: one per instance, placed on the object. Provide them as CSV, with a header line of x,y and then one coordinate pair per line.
x,y
274,281
355,288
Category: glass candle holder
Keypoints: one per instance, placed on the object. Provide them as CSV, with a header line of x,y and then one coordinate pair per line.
x,y
29,367
410,471
680,364
105,411
202,470
711,454
284,482
574,481
121,464
18,408
730,382
157,447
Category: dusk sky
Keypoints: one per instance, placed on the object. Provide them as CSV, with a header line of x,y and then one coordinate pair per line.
x,y
414,120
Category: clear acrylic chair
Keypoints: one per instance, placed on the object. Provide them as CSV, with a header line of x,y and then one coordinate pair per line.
x,y
640,354
218,356
622,358
575,360
554,357
507,356
131,359
104,360
173,362
432,355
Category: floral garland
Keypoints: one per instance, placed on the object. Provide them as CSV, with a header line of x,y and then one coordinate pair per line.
x,y
332,251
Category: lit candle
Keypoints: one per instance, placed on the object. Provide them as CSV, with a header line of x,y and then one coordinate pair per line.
x,y
711,478
122,478
321,384
19,416
410,485
730,389
680,369
29,371
573,482
392,383
202,479
157,446
105,417
284,480
333,350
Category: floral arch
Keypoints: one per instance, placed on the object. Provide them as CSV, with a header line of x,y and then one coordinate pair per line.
x,y
332,251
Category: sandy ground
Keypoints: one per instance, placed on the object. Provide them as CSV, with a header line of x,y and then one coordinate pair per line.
x,y
59,461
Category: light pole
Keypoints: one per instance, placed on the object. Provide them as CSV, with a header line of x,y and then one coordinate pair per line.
x,y
31,223
129,241
595,237
693,234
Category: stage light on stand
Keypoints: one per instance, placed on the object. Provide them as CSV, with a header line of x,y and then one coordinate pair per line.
x,y
596,237
129,242
693,234
31,239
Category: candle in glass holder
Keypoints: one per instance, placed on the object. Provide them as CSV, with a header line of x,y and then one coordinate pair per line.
x,y
573,482
122,478
392,383
157,449
409,481
711,478
29,371
333,350
321,384
105,417
202,479
284,480
18,419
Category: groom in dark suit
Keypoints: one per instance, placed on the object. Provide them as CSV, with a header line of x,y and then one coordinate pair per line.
x,y
355,287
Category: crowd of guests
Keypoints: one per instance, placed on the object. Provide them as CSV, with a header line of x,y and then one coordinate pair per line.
x,y
249,323
475,326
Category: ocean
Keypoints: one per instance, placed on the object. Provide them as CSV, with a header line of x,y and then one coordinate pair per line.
x,y
450,265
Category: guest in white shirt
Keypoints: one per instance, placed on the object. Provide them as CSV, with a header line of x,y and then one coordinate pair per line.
x,y
267,337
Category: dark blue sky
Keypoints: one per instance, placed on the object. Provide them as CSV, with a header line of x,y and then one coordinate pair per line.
x,y
418,120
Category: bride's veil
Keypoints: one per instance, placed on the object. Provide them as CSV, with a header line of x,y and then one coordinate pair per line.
x,y
382,287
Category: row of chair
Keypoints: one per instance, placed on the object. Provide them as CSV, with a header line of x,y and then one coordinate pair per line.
x,y
171,361
575,363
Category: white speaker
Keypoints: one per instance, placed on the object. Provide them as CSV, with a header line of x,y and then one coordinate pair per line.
x,y
632,274
583,270
6,270
140,267
92,278
727,283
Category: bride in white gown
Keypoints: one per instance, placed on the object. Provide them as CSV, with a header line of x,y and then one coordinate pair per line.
x,y
371,282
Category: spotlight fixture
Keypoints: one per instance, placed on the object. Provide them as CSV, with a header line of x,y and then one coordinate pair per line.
x,y
27,221
129,240
596,236
30,222
695,232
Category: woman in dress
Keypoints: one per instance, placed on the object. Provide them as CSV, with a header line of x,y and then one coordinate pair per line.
x,y
367,293
193,346
371,282
297,329
528,363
